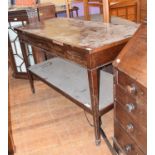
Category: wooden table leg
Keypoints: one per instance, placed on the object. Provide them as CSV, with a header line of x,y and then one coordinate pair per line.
x,y
93,76
24,52
86,10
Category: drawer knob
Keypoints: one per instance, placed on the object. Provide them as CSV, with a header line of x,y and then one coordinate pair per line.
x,y
128,148
131,89
130,107
41,14
129,127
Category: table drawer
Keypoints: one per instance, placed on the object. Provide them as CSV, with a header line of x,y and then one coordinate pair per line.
x,y
126,143
132,87
57,48
78,55
131,107
35,41
134,129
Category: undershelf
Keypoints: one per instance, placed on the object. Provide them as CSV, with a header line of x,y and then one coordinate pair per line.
x,y
73,80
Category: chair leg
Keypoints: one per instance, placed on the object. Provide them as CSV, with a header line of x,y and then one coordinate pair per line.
x,y
31,80
24,52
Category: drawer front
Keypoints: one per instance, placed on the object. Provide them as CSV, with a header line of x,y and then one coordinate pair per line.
x,y
138,112
126,143
78,55
132,88
135,130
59,49
36,41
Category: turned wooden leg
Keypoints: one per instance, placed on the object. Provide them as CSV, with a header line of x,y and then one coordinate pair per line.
x,y
30,77
93,76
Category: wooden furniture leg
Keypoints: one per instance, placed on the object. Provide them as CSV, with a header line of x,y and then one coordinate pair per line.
x,y
30,77
11,145
106,12
86,10
77,14
93,76
67,8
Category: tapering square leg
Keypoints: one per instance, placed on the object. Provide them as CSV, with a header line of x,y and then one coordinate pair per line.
x,y
93,76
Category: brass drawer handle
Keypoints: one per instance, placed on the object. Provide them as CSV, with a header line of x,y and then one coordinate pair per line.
x,y
128,148
130,127
130,107
131,89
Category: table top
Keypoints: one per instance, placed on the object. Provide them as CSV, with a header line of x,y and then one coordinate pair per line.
x,y
79,33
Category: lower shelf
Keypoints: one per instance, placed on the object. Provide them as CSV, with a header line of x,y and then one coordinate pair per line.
x,y
73,80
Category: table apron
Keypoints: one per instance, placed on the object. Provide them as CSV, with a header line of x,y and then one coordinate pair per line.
x,y
75,54
88,59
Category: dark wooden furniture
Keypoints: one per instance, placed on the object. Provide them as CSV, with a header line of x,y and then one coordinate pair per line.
x,y
90,45
127,9
143,10
62,9
18,16
130,107
11,145
45,11
21,16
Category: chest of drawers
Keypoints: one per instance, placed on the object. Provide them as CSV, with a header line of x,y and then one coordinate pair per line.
x,y
130,107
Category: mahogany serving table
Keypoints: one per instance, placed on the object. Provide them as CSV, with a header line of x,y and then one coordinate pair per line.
x,y
82,48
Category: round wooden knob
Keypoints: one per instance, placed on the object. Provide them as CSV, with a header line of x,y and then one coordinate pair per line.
x,y
131,89
128,148
130,107
15,19
129,127
40,14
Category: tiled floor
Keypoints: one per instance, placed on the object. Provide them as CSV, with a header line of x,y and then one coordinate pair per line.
x,y
46,123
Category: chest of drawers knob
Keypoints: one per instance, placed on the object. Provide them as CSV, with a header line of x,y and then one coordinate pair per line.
x,y
128,148
130,107
129,127
131,89
15,19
